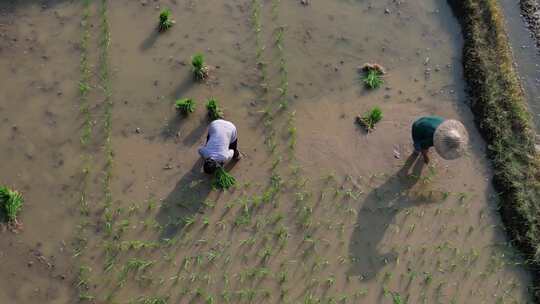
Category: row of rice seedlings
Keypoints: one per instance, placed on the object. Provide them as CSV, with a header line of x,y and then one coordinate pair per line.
x,y
80,242
108,104
135,266
283,72
448,258
84,83
111,250
259,44
428,276
268,115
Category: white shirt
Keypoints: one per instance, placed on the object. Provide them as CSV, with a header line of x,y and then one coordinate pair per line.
x,y
222,133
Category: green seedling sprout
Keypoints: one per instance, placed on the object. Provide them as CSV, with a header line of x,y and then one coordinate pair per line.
x,y
214,111
373,75
199,68
11,202
370,119
165,21
373,79
396,298
223,180
185,105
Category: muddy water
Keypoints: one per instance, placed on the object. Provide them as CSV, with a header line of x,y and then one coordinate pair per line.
x,y
338,219
40,147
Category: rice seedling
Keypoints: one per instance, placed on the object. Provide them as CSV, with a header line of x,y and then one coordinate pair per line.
x,y
133,265
428,278
372,75
185,105
165,20
396,298
199,67
331,281
11,202
223,180
266,253
214,110
226,296
370,119
84,296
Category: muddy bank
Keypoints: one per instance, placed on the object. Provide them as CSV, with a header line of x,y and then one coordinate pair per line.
x,y
498,103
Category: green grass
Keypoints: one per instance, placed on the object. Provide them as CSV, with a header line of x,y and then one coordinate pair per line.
x,y
11,202
223,180
199,67
165,20
214,110
185,105
373,79
370,118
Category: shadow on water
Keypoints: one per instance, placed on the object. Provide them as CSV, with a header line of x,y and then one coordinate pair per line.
x,y
174,126
184,201
150,40
378,211
175,123
196,134
183,87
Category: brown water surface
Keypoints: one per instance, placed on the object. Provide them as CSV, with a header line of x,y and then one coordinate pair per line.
x,y
322,213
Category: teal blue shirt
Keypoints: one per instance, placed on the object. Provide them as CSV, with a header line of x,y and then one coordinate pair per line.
x,y
423,130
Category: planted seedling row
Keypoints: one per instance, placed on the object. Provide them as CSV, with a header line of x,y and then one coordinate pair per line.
x,y
80,242
105,83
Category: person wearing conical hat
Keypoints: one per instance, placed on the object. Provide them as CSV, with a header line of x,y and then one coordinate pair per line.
x,y
448,136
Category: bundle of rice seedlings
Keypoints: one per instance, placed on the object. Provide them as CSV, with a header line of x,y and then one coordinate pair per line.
x,y
185,105
370,119
198,67
11,202
165,21
373,75
214,111
223,180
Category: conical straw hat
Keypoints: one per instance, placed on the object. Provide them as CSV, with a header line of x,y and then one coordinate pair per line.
x,y
451,139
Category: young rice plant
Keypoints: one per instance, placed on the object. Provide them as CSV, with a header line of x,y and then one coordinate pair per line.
x,y
199,68
373,75
370,119
185,105
214,111
11,202
223,180
165,21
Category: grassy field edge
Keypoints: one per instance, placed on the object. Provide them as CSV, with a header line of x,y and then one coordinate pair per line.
x,y
502,115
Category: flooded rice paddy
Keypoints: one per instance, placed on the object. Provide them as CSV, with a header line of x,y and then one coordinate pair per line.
x,y
117,208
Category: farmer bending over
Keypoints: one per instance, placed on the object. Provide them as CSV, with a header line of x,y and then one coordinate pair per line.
x,y
448,136
221,145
